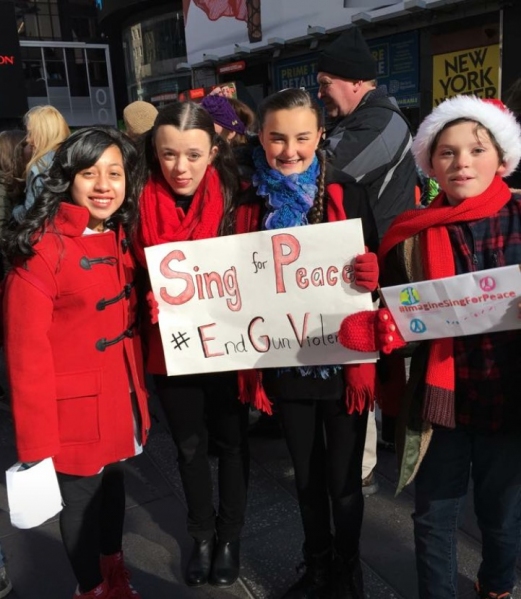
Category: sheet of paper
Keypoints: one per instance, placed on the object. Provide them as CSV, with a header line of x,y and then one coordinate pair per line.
x,y
258,300
469,304
33,494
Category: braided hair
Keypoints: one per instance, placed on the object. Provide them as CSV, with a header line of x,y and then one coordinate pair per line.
x,y
316,212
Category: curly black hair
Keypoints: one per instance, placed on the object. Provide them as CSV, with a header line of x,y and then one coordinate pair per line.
x,y
79,151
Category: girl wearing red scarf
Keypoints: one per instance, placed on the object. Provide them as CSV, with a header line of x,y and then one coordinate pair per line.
x,y
462,412
192,183
323,409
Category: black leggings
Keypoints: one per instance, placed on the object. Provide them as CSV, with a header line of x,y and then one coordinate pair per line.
x,y
193,406
326,446
91,522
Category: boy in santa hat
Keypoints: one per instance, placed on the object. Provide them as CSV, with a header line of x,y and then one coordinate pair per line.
x,y
462,410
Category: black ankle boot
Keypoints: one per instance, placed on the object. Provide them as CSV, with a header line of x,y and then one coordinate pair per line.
x,y
348,579
200,563
225,566
316,581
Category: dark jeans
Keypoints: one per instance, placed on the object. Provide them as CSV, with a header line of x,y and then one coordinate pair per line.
x,y
91,522
193,406
326,446
441,487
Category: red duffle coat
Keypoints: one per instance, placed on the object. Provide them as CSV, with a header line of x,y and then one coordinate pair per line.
x,y
72,350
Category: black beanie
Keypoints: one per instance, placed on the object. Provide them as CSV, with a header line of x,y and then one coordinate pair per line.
x,y
348,57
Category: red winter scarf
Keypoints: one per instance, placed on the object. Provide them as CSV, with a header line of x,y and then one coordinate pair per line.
x,y
360,378
438,262
161,221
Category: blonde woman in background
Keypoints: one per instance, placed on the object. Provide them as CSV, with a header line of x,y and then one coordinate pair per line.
x,y
46,130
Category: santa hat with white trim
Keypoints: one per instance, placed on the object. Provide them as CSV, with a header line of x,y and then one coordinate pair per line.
x,y
492,114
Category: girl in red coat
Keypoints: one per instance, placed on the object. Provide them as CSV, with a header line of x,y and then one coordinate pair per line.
x,y
189,194
323,409
73,357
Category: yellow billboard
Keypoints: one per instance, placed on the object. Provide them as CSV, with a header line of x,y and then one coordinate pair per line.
x,y
472,71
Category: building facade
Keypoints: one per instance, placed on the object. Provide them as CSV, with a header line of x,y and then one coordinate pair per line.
x,y
425,49
90,58
59,58
147,42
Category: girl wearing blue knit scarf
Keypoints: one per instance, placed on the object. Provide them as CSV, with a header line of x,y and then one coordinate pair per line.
x,y
289,198
325,439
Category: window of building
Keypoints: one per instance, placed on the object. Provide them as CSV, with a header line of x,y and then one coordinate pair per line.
x,y
34,71
55,67
71,77
40,19
83,28
97,66
152,48
156,39
77,71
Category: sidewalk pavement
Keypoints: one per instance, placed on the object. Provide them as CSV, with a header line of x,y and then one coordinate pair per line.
x,y
157,546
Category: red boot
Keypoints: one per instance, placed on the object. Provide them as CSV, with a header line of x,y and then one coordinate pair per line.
x,y
118,577
102,591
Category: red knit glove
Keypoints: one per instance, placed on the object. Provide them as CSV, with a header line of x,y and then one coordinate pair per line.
x,y
370,331
389,337
366,271
153,307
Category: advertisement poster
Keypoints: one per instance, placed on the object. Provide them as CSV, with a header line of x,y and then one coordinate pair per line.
x,y
259,300
471,71
217,26
398,66
300,71
469,304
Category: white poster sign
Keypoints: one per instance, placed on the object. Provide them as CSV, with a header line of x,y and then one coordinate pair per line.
x,y
469,304
218,27
267,299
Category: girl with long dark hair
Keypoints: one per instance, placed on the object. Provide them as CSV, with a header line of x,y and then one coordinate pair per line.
x,y
189,194
72,350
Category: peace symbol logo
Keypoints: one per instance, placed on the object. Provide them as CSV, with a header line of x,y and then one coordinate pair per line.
x,y
409,296
487,283
417,326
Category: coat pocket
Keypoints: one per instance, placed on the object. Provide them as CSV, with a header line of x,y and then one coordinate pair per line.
x,y
77,395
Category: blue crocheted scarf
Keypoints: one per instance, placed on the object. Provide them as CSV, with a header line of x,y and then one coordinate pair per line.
x,y
289,199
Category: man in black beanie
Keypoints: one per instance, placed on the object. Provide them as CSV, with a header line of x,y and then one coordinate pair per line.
x,y
369,139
